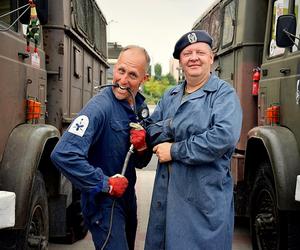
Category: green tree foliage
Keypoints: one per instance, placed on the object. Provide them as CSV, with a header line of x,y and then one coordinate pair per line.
x,y
154,88
157,71
171,79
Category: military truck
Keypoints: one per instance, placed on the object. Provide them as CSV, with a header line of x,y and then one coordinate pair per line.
x,y
53,57
256,46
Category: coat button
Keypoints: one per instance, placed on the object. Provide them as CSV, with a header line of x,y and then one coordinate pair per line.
x,y
158,204
163,176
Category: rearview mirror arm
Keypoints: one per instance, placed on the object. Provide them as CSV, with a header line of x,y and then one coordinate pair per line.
x,y
289,35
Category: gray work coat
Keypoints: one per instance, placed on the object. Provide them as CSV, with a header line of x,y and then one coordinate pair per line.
x,y
192,202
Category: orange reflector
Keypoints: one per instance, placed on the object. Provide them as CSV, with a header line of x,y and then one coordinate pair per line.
x,y
273,114
33,110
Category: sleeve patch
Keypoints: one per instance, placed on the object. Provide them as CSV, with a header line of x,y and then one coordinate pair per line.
x,y
79,125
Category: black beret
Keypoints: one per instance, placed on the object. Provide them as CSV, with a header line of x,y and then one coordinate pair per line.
x,y
189,38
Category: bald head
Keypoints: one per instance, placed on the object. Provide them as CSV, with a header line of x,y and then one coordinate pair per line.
x,y
137,50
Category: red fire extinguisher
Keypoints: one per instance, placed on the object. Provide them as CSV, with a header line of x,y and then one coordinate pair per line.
x,y
255,81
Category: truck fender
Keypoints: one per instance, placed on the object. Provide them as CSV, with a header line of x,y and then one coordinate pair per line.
x,y
282,150
20,161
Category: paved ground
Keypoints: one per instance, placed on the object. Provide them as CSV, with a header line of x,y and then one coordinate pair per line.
x,y
145,179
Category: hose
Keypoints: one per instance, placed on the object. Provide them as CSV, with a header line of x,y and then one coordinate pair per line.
x,y
125,164
117,85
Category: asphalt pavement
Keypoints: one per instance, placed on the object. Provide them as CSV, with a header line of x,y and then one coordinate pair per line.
x,y
144,185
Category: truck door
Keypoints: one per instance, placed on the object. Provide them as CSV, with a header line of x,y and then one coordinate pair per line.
x,y
274,69
281,75
12,73
272,205
290,84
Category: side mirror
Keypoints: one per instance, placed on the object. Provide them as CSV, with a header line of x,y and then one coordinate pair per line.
x,y
286,31
41,8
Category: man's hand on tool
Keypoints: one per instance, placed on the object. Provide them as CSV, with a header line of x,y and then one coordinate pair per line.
x,y
138,136
118,184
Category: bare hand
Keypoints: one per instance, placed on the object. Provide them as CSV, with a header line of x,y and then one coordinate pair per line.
x,y
163,152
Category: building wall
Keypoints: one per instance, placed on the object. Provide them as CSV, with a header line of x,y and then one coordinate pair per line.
x,y
175,70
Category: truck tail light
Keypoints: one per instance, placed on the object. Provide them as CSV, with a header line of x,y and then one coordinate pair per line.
x,y
33,110
273,115
255,81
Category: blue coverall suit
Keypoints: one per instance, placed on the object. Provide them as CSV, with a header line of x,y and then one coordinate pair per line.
x,y
93,149
192,201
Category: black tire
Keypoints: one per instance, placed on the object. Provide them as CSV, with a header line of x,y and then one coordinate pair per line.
x,y
76,229
37,230
271,229
75,223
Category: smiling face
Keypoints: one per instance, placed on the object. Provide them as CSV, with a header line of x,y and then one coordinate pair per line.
x,y
196,60
130,72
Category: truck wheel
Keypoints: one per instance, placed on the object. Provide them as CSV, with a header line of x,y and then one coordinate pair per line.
x,y
75,223
76,229
271,229
37,230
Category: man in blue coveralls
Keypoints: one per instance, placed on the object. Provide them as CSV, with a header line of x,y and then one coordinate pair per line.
x,y
92,151
194,130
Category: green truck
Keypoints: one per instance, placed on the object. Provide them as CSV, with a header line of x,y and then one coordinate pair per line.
x,y
53,59
256,46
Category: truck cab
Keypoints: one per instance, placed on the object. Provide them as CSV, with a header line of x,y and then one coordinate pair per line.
x,y
53,58
264,70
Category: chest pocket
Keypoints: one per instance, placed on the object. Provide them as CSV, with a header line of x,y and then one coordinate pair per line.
x,y
119,136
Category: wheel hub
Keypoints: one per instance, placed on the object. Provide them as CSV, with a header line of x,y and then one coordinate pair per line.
x,y
38,242
265,223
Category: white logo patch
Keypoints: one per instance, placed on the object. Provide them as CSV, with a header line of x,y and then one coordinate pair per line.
x,y
79,125
192,38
